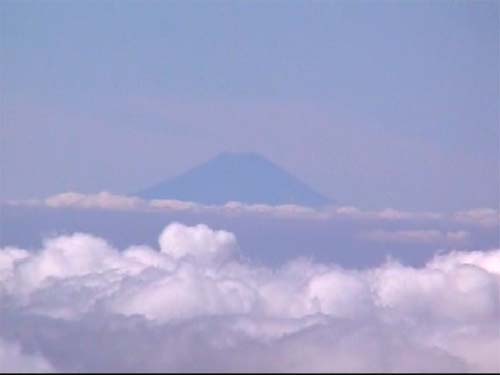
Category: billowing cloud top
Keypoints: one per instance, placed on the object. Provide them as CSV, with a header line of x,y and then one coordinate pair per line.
x,y
194,304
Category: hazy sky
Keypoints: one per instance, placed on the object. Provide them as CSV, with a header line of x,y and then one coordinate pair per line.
x,y
377,104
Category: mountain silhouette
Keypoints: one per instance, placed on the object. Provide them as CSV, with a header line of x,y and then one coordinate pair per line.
x,y
242,177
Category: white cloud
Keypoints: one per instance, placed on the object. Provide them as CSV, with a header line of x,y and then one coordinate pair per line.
x,y
487,217
198,242
114,202
194,304
102,200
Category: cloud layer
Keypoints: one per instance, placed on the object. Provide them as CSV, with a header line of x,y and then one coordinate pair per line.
x,y
195,303
486,217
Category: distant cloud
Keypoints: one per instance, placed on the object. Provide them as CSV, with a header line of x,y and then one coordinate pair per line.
x,y
108,201
418,236
386,214
194,304
487,217
102,200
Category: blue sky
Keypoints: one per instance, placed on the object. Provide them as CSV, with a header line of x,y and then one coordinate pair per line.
x,y
376,104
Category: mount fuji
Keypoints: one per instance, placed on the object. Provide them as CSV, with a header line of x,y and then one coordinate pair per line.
x,y
242,177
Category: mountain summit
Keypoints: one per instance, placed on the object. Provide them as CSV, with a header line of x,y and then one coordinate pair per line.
x,y
242,177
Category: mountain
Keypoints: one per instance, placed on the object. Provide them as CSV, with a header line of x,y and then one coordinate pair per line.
x,y
242,177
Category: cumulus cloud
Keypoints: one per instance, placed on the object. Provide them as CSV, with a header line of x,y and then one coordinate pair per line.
x,y
194,304
418,236
198,242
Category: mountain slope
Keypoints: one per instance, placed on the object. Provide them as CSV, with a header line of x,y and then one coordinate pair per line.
x,y
242,177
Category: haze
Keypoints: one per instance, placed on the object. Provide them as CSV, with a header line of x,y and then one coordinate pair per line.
x,y
374,104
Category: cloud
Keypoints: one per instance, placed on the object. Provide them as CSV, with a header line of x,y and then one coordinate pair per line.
x,y
102,200
194,304
418,236
114,202
12,359
388,214
487,217
198,242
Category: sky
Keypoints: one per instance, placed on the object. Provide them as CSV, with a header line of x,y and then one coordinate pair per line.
x,y
374,104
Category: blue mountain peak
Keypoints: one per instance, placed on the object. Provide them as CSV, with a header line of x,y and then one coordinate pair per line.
x,y
244,177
